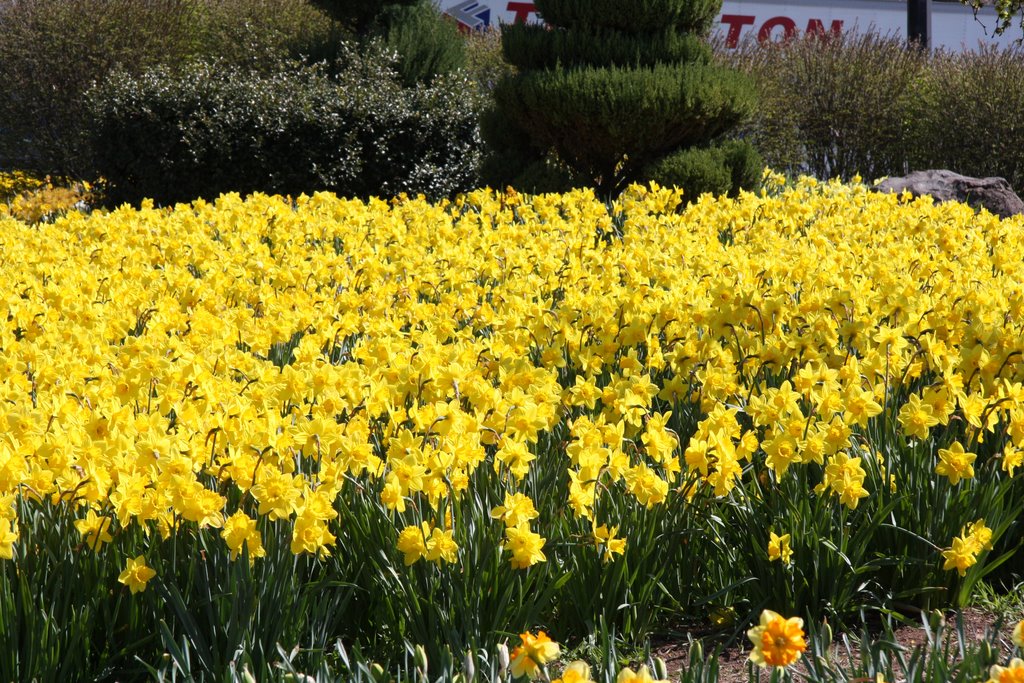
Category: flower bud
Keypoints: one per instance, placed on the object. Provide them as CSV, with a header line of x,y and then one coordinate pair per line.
x,y
420,657
503,659
660,669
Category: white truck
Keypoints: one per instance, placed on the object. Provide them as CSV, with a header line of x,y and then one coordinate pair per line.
x,y
954,25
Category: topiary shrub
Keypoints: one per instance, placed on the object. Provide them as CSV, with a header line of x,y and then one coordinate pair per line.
x,y
636,16
534,46
612,87
722,169
177,134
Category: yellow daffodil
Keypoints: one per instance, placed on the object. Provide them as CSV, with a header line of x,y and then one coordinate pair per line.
x,y
955,464
574,672
642,675
778,548
136,574
777,641
533,653
1013,673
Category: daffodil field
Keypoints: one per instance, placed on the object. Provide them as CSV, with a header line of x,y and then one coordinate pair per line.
x,y
295,432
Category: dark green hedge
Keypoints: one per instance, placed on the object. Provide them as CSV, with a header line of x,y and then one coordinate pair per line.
x,y
174,135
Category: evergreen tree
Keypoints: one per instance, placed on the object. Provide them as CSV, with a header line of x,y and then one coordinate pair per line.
x,y
360,15
617,91
427,44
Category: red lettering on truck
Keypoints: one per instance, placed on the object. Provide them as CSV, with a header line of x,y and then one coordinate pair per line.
x,y
787,24
522,10
736,22
815,27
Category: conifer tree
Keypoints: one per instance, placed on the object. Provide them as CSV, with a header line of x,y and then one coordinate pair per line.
x,y
360,15
427,44
617,91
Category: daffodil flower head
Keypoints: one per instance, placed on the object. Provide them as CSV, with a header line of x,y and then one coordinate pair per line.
x,y
777,641
778,548
643,675
533,653
1012,673
575,672
136,574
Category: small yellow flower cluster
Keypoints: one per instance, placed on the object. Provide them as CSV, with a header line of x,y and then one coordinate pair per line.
x,y
844,477
974,539
423,541
534,652
31,199
14,183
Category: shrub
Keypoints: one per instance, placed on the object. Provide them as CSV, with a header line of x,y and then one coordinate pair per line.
x,y
427,43
639,16
866,105
359,15
259,33
484,60
174,135
52,50
834,107
969,117
534,46
719,169
612,88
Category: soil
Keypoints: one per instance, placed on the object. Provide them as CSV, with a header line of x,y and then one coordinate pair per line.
x,y
733,661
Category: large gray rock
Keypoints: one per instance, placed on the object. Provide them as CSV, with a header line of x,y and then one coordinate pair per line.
x,y
994,194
